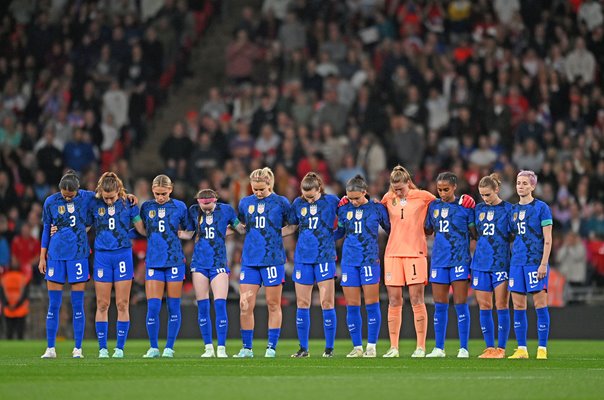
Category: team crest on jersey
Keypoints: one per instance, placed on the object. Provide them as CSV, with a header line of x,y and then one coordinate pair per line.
x,y
433,273
358,214
481,216
161,212
394,201
150,272
512,282
444,212
313,209
303,211
209,219
250,209
100,273
51,271
70,208
344,277
515,216
111,211
61,210
152,214
349,215
522,215
475,281
101,211
435,213
260,208
298,274
242,274
490,215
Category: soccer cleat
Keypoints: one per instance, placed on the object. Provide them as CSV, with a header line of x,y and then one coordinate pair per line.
x,y
168,353
419,353
328,353
370,353
118,353
209,352
499,352
270,353
77,353
519,353
489,352
49,353
541,353
356,352
391,353
103,353
463,353
153,352
302,353
436,353
221,352
244,353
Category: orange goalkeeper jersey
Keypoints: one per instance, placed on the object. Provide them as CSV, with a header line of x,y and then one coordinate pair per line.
x,y
407,238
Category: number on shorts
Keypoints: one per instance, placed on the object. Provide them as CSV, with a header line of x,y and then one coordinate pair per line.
x,y
533,280
459,270
112,223
162,225
221,270
368,271
323,268
260,222
174,270
414,272
312,222
122,266
271,272
79,270
502,276
488,229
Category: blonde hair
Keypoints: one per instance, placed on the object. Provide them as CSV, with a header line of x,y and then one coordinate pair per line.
x,y
312,180
264,175
400,174
110,182
162,181
492,181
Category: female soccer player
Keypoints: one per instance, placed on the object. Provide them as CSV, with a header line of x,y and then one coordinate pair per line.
x,y
113,215
452,225
64,257
262,263
163,217
405,260
358,221
491,264
532,225
209,220
314,213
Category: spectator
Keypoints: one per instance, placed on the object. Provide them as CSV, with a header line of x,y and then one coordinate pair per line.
x,y
176,151
14,296
571,258
240,57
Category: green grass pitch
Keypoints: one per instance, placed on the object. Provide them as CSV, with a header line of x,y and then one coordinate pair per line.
x,y
575,370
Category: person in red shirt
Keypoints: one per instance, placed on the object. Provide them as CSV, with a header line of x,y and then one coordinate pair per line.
x,y
25,251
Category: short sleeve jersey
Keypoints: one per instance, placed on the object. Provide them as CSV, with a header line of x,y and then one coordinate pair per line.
x,y
162,222
210,234
527,222
492,252
263,218
450,222
70,242
316,223
361,226
112,223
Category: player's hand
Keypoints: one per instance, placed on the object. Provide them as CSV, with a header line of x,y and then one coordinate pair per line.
x,y
343,201
42,266
541,271
132,199
467,201
53,230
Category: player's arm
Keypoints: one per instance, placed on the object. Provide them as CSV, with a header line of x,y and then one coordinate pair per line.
x,y
547,248
44,248
288,230
384,218
473,232
185,235
428,228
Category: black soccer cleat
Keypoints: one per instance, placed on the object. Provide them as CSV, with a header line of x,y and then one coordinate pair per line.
x,y
302,353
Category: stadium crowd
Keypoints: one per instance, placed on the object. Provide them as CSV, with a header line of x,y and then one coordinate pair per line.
x,y
337,87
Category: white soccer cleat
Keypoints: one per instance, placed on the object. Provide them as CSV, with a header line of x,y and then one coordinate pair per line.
x,y
168,353
392,353
463,353
153,352
77,353
49,353
419,353
370,353
209,352
221,352
356,352
103,353
436,353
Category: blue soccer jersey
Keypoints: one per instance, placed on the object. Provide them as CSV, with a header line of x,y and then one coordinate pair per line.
x,y
112,223
527,222
263,218
210,233
492,252
70,242
361,226
450,223
316,224
162,222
